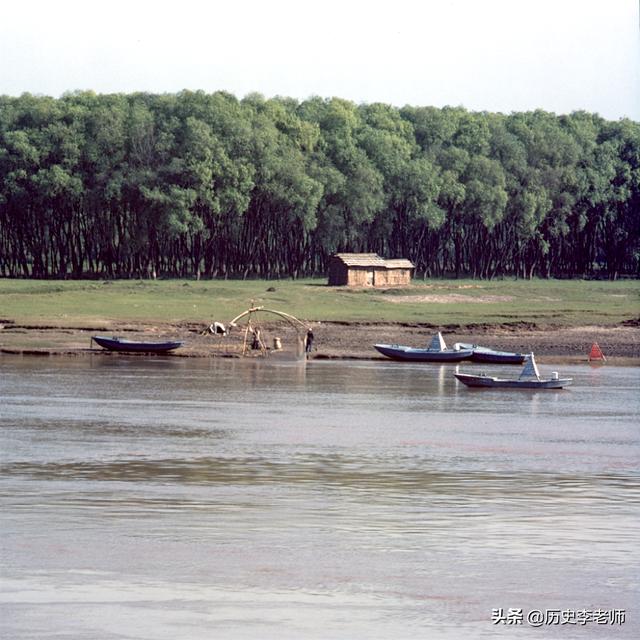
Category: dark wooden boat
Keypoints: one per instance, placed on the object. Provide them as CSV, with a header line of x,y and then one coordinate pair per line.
x,y
437,351
135,346
529,379
486,354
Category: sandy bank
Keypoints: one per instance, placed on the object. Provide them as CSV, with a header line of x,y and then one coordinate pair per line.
x,y
621,343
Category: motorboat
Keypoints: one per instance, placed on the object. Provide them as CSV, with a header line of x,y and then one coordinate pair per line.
x,y
486,354
437,351
528,379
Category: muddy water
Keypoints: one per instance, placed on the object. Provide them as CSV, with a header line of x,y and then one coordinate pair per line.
x,y
165,498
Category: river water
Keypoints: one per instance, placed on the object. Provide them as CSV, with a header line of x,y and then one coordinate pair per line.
x,y
170,498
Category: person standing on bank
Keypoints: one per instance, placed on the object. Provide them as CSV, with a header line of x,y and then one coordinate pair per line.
x,y
309,341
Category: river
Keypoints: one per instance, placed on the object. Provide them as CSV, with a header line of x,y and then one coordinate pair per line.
x,y
171,498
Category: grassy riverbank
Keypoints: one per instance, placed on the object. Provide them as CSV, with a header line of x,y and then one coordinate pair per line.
x,y
438,302
551,318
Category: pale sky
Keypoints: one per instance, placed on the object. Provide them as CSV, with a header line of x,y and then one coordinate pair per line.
x,y
493,55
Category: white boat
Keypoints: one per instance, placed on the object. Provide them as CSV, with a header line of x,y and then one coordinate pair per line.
x,y
529,379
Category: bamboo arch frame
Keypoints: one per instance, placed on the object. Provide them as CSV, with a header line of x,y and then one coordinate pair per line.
x,y
292,320
287,316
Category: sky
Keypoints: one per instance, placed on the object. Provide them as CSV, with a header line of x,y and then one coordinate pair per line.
x,y
485,55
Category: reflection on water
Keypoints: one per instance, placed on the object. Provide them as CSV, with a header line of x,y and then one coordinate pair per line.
x,y
358,473
258,499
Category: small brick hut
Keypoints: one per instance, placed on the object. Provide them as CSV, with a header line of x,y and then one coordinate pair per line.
x,y
368,270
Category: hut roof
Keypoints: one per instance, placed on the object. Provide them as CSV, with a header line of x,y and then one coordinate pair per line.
x,y
399,263
372,260
360,259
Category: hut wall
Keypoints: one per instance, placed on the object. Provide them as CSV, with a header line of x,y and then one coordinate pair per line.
x,y
381,278
359,277
372,277
398,277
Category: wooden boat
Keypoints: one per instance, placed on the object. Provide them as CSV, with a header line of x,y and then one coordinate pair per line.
x,y
135,346
486,354
437,351
529,379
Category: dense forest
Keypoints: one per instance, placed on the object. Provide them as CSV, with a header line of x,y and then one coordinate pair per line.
x,y
206,185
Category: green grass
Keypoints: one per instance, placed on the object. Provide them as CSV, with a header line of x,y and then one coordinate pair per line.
x,y
80,303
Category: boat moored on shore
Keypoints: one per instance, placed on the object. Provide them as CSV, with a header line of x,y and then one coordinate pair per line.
x,y
486,354
437,351
135,346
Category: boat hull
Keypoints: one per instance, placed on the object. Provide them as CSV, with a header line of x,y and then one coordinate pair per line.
x,y
497,357
485,354
398,352
500,383
132,346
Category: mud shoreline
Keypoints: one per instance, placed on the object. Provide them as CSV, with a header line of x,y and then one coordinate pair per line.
x,y
333,340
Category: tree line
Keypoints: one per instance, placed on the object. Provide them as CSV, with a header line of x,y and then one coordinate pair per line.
x,y
207,185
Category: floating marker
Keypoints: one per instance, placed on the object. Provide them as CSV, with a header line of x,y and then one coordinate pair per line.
x,y
596,353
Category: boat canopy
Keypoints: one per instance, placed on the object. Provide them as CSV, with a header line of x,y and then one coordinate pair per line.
x,y
437,343
530,369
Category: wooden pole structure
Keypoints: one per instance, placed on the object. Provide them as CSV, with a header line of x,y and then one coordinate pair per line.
x,y
246,335
297,324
